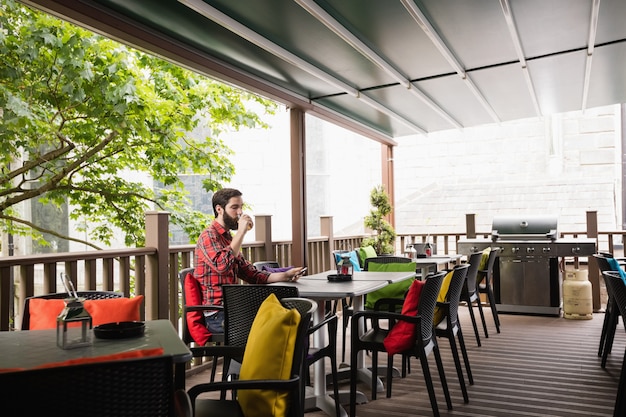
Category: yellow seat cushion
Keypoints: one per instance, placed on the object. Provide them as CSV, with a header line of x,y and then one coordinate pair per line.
x,y
269,355
441,298
484,260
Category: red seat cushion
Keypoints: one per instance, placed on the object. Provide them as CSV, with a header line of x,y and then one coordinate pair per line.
x,y
402,335
195,319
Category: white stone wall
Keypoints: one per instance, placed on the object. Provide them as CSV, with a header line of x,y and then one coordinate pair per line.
x,y
563,165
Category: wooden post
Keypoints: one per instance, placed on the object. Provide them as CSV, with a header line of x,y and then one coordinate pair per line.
x,y
326,229
298,187
470,226
157,281
593,272
263,233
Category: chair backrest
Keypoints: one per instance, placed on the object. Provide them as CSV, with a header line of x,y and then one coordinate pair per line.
x,y
616,289
306,308
491,260
385,260
88,295
241,303
124,388
603,261
428,300
472,272
270,264
454,293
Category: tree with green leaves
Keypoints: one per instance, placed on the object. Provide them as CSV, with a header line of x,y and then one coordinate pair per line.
x,y
385,235
83,117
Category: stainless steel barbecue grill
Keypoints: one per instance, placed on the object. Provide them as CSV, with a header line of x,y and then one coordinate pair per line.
x,y
527,277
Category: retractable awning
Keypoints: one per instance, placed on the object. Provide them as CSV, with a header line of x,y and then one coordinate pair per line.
x,y
387,68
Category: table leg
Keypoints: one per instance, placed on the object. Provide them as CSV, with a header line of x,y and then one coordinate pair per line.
x,y
319,398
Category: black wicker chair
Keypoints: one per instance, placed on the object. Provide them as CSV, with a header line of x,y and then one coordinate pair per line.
x,y
240,308
126,388
385,260
238,325
424,344
450,327
611,314
470,294
88,295
616,289
485,286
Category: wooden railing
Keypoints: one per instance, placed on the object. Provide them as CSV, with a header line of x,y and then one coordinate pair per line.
x,y
153,270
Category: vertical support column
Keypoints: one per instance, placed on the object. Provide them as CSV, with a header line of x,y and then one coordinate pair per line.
x,y
326,229
623,160
298,187
593,272
388,180
263,233
470,226
157,277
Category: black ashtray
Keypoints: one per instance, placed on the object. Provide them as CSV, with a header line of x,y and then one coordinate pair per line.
x,y
120,330
339,278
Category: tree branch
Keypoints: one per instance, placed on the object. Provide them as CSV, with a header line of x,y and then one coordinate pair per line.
x,y
48,231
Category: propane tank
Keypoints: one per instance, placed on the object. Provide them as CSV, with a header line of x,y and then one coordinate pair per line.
x,y
577,301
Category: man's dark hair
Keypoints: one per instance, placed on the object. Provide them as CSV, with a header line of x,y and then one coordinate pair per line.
x,y
221,198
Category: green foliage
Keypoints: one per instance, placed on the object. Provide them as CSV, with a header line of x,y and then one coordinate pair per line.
x,y
385,237
79,112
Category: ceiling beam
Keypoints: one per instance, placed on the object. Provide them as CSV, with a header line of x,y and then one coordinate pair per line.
x,y
351,39
421,20
591,40
255,38
517,44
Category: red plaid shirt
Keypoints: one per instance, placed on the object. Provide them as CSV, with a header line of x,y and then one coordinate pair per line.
x,y
216,265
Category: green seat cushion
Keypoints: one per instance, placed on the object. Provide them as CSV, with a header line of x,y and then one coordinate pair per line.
x,y
366,252
395,290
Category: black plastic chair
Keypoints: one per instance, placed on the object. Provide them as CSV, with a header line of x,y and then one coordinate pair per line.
x,y
450,327
485,286
617,290
248,298
183,275
125,388
88,295
470,295
424,344
611,314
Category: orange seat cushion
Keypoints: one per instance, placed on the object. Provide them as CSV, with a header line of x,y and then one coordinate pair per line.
x,y
43,313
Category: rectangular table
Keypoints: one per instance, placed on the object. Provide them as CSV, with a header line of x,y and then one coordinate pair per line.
x,y
317,287
436,262
31,348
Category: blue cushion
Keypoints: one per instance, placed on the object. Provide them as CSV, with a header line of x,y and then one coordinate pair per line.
x,y
616,267
354,260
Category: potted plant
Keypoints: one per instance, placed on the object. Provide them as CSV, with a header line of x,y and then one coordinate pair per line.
x,y
384,238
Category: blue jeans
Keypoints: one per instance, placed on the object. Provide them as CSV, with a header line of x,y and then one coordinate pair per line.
x,y
215,322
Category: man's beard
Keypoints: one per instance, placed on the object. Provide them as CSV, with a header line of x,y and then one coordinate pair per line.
x,y
231,222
